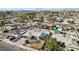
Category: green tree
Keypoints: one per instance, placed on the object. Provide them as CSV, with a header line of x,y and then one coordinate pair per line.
x,y
52,45
2,23
20,20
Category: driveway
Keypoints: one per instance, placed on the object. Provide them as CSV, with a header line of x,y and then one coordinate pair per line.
x,y
7,47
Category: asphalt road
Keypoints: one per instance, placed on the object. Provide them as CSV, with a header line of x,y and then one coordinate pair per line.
x,y
7,47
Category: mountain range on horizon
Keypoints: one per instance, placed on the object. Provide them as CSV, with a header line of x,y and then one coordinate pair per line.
x,y
39,9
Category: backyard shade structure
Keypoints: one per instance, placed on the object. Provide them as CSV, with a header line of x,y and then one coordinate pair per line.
x,y
56,31
43,35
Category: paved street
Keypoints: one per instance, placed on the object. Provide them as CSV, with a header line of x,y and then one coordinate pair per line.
x,y
7,47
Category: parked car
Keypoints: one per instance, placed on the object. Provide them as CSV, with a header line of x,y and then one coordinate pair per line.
x,y
12,38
